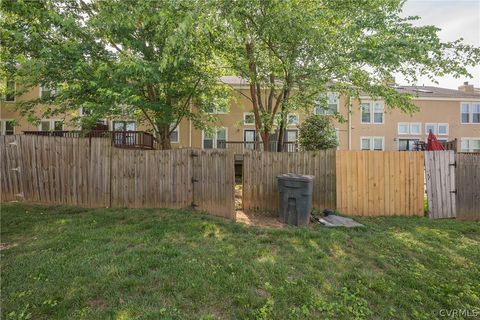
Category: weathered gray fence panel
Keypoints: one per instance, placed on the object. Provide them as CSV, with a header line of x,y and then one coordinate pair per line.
x,y
468,186
440,182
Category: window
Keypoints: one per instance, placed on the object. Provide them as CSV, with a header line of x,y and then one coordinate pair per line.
x,y
415,128
124,125
50,125
403,128
442,129
470,144
84,112
437,128
430,127
216,139
292,119
407,144
470,112
47,92
372,143
10,94
216,109
248,118
174,135
409,128
327,104
249,138
7,127
372,112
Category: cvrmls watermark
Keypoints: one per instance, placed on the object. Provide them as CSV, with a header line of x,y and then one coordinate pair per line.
x,y
459,313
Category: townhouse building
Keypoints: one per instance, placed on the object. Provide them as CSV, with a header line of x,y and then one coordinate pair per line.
x,y
370,125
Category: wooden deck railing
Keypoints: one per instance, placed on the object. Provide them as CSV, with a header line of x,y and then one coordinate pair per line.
x,y
120,139
241,146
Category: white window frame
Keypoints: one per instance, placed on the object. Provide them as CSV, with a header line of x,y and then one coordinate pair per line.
x,y
177,130
245,114
438,129
52,94
215,138
14,92
295,115
3,126
219,111
372,143
51,124
372,112
403,124
327,112
470,112
462,139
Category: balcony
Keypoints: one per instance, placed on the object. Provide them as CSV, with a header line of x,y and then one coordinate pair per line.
x,y
120,139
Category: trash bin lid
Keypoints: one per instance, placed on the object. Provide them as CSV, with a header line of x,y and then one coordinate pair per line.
x,y
295,177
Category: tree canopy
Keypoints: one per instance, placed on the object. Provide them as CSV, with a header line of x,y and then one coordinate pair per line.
x,y
317,133
157,59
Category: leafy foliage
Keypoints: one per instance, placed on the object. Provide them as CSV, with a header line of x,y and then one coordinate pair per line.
x,y
317,133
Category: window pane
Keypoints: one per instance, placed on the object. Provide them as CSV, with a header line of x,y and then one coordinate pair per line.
x,y
442,129
465,108
378,107
208,144
475,145
403,128
44,125
9,127
415,129
430,127
292,119
130,125
476,113
365,144
58,125
221,134
378,117
465,117
402,144
174,136
118,126
292,135
249,118
378,144
366,113
464,145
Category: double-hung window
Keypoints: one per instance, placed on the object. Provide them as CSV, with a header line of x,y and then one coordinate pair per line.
x,y
215,139
470,112
409,128
470,144
372,112
50,125
437,128
7,127
292,119
47,92
327,104
372,143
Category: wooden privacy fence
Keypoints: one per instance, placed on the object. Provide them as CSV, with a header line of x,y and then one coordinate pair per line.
x,y
380,183
260,170
91,173
468,186
440,183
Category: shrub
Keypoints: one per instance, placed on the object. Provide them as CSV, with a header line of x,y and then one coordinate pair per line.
x,y
317,133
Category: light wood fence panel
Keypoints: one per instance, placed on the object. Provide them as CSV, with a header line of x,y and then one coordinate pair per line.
x,y
260,171
468,186
440,184
214,182
374,183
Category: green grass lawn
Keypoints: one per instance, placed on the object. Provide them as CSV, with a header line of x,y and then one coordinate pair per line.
x,y
62,262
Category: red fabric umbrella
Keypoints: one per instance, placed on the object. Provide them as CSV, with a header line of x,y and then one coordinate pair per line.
x,y
433,144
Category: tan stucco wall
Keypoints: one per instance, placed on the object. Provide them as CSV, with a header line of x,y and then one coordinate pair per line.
x,y
431,111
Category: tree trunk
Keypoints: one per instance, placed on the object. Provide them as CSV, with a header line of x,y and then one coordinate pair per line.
x,y
281,132
163,136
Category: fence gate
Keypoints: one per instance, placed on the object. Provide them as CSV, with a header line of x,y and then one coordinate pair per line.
x,y
467,180
213,182
440,180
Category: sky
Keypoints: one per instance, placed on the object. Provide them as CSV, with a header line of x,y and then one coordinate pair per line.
x,y
457,19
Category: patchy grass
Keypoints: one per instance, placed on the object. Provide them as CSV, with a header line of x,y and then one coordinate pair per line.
x,y
61,262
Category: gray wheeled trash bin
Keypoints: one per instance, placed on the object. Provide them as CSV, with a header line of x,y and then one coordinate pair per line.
x,y
295,198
